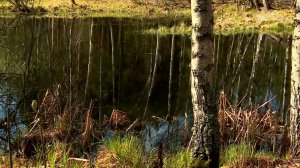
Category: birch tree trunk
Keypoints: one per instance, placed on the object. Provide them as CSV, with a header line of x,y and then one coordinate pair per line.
x,y
286,84
205,152
295,87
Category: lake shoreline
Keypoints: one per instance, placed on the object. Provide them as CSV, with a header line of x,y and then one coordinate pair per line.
x,y
228,20
138,86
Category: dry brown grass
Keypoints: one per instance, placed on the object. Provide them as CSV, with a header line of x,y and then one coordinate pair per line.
x,y
118,118
88,126
260,162
58,120
251,125
106,159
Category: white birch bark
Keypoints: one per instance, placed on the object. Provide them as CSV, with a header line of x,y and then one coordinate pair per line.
x,y
295,86
206,129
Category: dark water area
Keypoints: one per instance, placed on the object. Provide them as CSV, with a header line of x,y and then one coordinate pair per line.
x,y
112,62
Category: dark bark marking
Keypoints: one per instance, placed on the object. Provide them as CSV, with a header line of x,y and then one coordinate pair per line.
x,y
199,54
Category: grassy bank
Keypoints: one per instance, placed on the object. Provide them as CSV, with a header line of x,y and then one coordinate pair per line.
x,y
128,152
102,8
227,18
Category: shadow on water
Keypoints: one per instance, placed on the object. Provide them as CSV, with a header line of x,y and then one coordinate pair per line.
x,y
111,62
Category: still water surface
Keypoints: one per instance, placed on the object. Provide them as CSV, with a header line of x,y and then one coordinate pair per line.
x,y
114,63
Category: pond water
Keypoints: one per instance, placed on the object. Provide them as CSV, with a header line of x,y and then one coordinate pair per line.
x,y
114,63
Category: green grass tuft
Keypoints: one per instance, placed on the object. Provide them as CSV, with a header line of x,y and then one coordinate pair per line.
x,y
128,150
182,28
236,153
180,159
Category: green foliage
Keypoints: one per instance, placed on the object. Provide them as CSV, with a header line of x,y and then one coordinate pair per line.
x,y
39,156
181,159
52,157
57,154
236,153
128,149
280,27
181,28
198,163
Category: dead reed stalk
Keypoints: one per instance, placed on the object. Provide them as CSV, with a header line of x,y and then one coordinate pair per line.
x,y
88,126
262,129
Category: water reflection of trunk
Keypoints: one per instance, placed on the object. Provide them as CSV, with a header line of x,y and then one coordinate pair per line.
x,y
206,130
37,48
89,61
270,74
78,44
149,79
29,51
237,69
218,52
295,88
8,129
237,91
238,50
112,64
101,114
229,56
153,74
284,103
70,41
28,56
181,73
171,75
268,93
50,43
120,44
258,53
